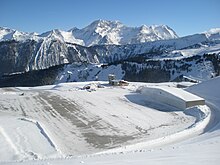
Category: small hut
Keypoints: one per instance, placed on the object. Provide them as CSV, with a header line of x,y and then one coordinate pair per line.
x,y
111,77
114,82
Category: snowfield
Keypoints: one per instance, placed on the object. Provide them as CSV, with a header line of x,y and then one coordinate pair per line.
x,y
71,124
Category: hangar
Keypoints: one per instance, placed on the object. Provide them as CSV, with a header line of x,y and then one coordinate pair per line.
x,y
176,97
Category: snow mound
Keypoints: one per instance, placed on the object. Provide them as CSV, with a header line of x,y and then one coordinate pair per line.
x,y
208,89
92,87
199,112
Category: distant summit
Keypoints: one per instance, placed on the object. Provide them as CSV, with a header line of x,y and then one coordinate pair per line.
x,y
11,34
102,32
99,32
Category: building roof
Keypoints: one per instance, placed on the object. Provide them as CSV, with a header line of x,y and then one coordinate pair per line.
x,y
180,93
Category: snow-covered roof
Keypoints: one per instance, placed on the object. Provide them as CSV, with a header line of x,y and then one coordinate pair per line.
x,y
180,93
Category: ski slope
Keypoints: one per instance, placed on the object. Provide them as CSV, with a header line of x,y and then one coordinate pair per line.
x,y
67,124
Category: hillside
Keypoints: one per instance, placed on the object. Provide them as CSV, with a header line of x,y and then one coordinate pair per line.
x,y
157,60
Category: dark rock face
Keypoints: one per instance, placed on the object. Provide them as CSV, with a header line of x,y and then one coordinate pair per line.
x,y
77,53
140,62
32,55
32,78
9,57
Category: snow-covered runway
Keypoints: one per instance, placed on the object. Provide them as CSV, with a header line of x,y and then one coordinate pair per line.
x,y
65,121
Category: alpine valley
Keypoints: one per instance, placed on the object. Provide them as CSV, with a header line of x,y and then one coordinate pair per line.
x,y
146,53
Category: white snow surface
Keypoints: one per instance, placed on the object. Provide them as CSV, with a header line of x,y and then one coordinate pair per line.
x,y
62,35
67,124
88,72
21,138
196,51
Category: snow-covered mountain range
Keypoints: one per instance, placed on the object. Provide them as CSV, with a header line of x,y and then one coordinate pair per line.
x,y
113,43
113,32
7,34
99,32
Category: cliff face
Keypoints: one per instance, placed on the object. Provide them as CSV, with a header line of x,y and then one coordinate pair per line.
x,y
31,55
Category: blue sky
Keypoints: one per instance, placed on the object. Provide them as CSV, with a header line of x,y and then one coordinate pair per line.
x,y
184,16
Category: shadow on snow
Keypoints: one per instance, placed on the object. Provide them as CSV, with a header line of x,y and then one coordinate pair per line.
x,y
143,100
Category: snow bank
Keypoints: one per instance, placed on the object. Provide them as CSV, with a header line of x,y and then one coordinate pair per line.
x,y
197,113
211,92
207,89
43,131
